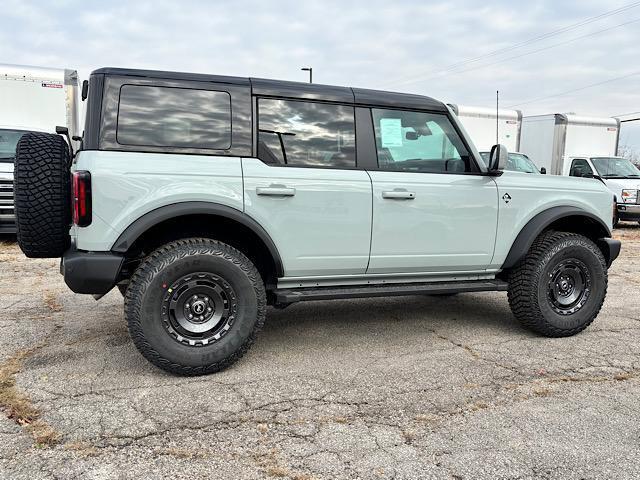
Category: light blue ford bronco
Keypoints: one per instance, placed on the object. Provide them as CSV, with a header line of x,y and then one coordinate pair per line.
x,y
204,199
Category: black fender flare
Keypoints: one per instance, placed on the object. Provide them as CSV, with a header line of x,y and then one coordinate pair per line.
x,y
174,210
540,222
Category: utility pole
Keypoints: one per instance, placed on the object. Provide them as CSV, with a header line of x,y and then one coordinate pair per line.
x,y
310,70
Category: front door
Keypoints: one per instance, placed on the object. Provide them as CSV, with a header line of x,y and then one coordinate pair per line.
x,y
432,211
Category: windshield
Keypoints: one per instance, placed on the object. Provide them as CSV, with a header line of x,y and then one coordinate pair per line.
x,y
517,162
609,167
8,141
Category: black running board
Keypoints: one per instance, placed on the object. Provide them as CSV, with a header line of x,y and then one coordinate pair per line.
x,y
292,295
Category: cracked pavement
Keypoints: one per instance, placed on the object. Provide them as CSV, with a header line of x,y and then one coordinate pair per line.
x,y
396,388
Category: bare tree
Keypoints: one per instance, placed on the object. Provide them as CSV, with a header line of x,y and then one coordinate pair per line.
x,y
630,152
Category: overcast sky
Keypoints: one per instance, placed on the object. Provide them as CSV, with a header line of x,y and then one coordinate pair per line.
x,y
400,45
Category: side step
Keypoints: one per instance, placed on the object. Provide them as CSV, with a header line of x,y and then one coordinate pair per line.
x,y
292,295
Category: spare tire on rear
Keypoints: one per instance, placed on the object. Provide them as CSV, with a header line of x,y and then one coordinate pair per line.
x,y
42,190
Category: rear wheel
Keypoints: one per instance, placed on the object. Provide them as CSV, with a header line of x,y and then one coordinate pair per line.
x,y
195,306
559,287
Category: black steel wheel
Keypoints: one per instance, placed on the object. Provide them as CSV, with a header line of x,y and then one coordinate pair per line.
x,y
199,308
560,285
569,286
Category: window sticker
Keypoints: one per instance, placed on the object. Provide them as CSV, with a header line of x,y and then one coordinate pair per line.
x,y
391,132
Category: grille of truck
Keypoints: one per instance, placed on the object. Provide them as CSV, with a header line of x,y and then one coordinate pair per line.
x,y
7,214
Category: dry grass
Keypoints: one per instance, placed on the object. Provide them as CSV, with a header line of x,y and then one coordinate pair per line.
x,y
18,406
82,448
542,392
269,464
181,453
50,299
409,436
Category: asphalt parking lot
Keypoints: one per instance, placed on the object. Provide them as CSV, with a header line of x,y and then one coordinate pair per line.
x,y
404,388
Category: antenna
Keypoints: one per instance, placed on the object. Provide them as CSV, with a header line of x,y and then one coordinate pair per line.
x,y
497,112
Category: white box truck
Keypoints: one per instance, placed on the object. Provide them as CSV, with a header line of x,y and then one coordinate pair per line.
x,y
31,99
480,124
580,146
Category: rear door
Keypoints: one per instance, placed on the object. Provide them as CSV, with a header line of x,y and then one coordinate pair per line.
x,y
305,188
432,210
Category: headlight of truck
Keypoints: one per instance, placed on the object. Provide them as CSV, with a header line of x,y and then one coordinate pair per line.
x,y
629,196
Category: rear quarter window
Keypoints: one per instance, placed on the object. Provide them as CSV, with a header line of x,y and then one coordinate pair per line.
x,y
175,117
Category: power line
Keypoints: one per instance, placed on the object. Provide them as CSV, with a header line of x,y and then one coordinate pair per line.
x,y
552,33
531,40
574,90
626,114
541,49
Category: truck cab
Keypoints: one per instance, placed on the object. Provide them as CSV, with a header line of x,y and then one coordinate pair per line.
x,y
620,175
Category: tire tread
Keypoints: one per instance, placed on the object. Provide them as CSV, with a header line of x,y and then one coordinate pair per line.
x,y
42,195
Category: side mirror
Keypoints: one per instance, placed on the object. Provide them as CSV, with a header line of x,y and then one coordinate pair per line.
x,y
85,90
543,171
498,158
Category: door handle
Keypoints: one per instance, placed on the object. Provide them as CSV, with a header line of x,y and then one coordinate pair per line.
x,y
276,191
399,195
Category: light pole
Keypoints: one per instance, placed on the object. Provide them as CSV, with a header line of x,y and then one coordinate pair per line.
x,y
310,70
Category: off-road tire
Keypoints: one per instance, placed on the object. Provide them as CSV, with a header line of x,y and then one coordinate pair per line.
x,y
150,283
42,195
122,289
529,282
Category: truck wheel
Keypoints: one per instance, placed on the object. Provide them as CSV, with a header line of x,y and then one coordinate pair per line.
x,y
559,287
195,306
42,186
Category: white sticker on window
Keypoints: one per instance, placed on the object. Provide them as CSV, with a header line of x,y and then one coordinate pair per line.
x,y
391,132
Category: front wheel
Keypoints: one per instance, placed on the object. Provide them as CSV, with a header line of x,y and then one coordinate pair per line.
x,y
195,306
559,287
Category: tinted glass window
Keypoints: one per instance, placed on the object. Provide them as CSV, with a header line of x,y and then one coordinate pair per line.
x,y
615,167
8,142
580,167
174,117
306,133
418,142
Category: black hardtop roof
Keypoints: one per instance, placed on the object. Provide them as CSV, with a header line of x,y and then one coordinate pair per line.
x,y
287,89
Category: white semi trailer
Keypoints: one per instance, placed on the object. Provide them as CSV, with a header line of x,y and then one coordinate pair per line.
x,y
31,99
579,146
480,123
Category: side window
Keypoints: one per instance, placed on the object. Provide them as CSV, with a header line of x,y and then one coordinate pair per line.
x,y
418,142
174,117
580,167
300,133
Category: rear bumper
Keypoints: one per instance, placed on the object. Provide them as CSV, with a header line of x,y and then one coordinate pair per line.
x,y
628,211
90,272
611,249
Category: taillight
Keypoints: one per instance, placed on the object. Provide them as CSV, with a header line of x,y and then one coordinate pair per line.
x,y
81,198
